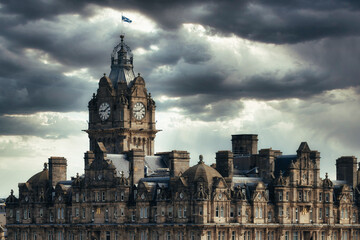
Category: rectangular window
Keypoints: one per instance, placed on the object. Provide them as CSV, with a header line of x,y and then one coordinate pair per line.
x,y
184,212
231,211
217,211
208,235
300,195
162,211
200,211
239,211
84,197
145,212
280,196
296,214
322,235
320,197
122,212
320,213
83,213
103,196
269,216
77,197
116,196
327,197
107,235
296,236
92,215
170,212
281,211
287,196
327,211
233,235
106,215
122,196
221,211
287,235
76,212
41,212
305,196
179,212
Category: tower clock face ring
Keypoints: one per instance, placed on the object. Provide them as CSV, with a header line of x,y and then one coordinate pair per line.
x,y
104,111
139,111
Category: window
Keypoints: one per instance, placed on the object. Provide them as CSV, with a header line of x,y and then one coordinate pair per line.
x,y
217,211
106,215
354,217
107,235
143,235
98,196
269,216
257,212
200,211
122,197
192,236
320,213
287,235
320,197
180,236
271,235
116,196
122,212
184,212
327,211
170,212
300,195
25,214
233,235
92,214
260,212
344,235
231,211
322,235
115,213
305,196
17,215
133,216
296,214
58,214
280,196
162,211
239,211
83,213
77,197
145,212
281,211
103,196
84,197
311,215
287,196
179,212
221,211
208,235
76,212
258,235
41,212
51,217
327,197
141,213
295,235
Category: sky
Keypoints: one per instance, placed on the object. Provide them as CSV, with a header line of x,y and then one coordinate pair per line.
x,y
285,70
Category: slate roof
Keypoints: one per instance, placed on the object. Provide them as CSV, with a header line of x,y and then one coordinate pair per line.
x,y
283,163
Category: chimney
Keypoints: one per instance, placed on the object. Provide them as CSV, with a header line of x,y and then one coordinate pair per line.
x,y
178,161
137,165
57,169
224,163
244,144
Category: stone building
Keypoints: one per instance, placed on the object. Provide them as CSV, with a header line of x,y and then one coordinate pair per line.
x,y
128,192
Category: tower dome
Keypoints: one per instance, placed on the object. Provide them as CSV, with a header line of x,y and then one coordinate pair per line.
x,y
202,172
121,64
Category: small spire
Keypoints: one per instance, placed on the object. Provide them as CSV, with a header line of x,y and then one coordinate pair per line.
x,y
201,159
138,74
326,175
77,175
45,166
122,37
104,74
12,192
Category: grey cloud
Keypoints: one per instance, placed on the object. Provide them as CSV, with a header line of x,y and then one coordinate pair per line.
x,y
265,21
50,126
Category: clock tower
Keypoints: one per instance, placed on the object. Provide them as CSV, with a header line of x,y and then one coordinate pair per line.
x,y
122,112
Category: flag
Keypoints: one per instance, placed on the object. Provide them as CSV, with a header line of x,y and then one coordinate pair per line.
x,y
125,19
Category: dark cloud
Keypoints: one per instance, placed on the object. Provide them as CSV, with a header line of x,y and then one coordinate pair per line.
x,y
265,21
46,125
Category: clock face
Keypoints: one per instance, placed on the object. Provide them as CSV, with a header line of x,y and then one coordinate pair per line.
x,y
104,111
139,111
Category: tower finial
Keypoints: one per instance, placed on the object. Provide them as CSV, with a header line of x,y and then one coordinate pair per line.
x,y
201,159
122,37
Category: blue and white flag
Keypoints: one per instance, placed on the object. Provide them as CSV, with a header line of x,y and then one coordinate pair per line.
x,y
125,19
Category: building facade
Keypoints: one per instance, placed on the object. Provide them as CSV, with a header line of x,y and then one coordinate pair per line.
x,y
128,192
